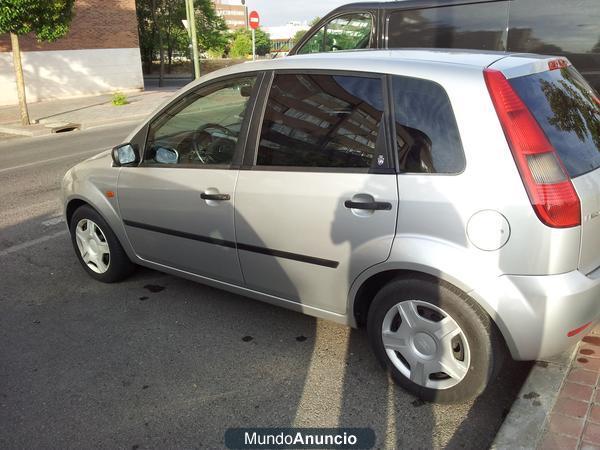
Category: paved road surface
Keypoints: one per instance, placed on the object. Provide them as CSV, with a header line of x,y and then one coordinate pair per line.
x,y
158,361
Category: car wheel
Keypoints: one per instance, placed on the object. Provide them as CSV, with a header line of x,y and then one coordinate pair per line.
x,y
435,340
97,247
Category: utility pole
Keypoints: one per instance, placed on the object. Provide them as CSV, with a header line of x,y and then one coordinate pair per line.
x,y
191,20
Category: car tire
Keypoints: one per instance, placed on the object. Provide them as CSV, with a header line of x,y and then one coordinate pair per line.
x,y
439,344
97,247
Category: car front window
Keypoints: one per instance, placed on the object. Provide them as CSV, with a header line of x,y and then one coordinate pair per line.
x,y
203,129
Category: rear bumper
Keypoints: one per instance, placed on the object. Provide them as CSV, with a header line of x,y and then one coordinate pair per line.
x,y
536,313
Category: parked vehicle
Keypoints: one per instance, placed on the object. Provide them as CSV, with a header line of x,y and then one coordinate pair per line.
x,y
449,202
556,27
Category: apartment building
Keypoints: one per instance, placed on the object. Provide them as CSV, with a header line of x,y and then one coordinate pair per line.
x,y
233,12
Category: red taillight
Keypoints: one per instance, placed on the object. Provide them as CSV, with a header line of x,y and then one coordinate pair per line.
x,y
559,63
578,330
550,190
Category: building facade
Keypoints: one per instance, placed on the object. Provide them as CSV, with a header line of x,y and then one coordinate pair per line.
x,y
282,37
233,12
100,54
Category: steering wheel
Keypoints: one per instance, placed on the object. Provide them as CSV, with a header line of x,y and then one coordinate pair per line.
x,y
202,140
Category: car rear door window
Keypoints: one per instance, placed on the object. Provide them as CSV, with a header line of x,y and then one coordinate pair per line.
x,y
427,136
480,26
314,120
347,32
568,110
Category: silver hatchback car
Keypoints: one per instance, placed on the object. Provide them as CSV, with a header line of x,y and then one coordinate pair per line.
x,y
448,201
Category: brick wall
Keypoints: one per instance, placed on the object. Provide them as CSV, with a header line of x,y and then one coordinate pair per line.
x,y
97,24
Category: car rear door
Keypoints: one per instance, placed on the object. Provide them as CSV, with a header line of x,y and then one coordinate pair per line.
x,y
177,205
316,203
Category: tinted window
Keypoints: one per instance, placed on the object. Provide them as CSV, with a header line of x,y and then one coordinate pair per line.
x,y
351,31
559,27
203,128
426,131
478,26
569,113
321,121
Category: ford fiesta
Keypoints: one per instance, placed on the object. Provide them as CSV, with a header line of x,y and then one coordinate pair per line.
x,y
447,201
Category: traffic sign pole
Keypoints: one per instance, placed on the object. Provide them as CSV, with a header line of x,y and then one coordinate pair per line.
x,y
254,22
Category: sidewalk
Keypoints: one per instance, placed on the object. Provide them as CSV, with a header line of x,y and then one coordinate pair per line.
x,y
85,112
575,420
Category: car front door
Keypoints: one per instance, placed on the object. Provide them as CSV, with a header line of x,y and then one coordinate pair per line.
x,y
317,204
177,205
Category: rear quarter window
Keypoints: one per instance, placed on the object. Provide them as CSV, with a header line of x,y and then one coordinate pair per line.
x,y
427,137
568,110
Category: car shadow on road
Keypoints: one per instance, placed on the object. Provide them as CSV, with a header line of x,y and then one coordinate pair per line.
x,y
160,361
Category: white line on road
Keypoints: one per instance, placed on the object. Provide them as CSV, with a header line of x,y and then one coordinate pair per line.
x,y
58,158
24,245
53,221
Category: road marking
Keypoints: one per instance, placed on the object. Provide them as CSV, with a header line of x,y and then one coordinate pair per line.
x,y
53,221
24,245
58,158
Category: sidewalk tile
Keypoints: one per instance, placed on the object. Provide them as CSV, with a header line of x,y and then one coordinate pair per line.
x,y
553,441
588,446
570,407
577,391
592,340
595,414
597,396
591,434
582,376
566,425
587,363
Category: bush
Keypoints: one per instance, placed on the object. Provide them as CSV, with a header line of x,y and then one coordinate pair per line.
x,y
241,46
119,99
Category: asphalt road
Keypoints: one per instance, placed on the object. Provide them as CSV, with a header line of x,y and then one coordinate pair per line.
x,y
157,361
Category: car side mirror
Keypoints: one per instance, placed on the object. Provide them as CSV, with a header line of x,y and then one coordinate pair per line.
x,y
125,155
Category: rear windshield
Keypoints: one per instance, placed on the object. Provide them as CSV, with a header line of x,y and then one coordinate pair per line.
x,y
568,110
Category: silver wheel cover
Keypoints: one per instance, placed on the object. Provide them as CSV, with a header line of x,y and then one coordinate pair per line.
x,y
431,353
92,245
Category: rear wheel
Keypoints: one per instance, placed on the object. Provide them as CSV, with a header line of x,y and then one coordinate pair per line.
x,y
97,247
435,340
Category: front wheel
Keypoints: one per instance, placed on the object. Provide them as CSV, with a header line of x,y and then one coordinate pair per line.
x,y
436,341
97,247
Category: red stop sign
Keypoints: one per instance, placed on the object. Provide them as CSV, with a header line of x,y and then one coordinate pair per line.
x,y
253,20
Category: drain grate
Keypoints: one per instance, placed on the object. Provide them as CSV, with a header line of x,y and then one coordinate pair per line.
x,y
64,128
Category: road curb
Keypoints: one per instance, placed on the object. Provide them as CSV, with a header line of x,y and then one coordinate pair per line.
x,y
524,425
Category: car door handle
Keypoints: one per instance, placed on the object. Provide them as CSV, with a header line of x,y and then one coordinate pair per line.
x,y
373,206
218,197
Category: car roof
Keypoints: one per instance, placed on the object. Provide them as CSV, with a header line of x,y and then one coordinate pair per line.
x,y
381,61
400,4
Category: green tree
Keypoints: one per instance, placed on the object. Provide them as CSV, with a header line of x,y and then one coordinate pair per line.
x,y
241,45
211,27
48,20
299,35
160,27
241,36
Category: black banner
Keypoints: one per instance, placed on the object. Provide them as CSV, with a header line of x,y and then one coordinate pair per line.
x,y
275,438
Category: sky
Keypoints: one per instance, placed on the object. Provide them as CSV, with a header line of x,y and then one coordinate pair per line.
x,y
280,12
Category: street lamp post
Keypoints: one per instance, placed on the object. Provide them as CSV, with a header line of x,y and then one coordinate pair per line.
x,y
191,20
